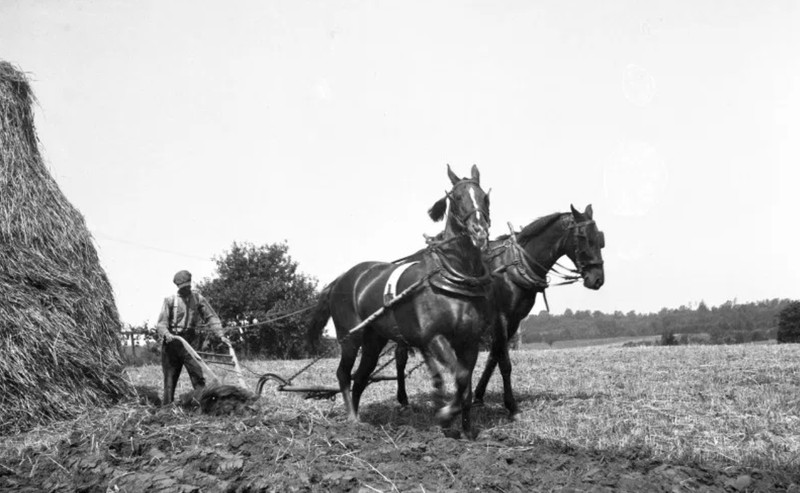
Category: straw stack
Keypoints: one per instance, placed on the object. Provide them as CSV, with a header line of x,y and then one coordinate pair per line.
x,y
59,346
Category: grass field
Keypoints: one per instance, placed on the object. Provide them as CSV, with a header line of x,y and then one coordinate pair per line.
x,y
736,405
579,343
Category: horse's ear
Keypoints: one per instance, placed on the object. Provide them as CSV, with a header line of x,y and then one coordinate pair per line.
x,y
589,212
453,177
476,175
437,210
575,212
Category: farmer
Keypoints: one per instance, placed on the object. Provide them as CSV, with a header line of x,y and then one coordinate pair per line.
x,y
184,314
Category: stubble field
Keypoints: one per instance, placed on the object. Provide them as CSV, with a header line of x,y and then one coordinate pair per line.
x,y
696,418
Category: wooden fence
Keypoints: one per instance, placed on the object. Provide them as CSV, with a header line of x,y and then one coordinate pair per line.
x,y
132,336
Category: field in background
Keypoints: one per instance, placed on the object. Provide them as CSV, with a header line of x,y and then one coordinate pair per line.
x,y
578,343
618,341
711,404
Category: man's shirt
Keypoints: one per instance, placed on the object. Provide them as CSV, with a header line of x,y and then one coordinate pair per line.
x,y
179,314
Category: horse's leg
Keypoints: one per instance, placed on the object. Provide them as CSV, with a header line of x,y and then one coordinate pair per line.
x,y
349,347
505,370
436,378
370,354
400,361
488,370
441,349
499,339
466,363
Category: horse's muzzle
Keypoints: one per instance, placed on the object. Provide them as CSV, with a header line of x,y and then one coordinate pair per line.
x,y
594,278
479,235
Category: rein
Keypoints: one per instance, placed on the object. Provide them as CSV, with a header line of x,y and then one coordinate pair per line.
x,y
241,328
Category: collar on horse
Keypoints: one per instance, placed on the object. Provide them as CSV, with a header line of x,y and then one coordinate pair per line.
x,y
520,270
443,275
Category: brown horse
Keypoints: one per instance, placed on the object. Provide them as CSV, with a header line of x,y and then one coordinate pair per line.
x,y
520,264
442,308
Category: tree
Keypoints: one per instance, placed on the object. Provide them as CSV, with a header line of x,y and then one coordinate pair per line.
x,y
255,284
668,339
789,323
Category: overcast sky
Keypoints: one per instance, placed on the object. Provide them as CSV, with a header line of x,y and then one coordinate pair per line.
x,y
179,127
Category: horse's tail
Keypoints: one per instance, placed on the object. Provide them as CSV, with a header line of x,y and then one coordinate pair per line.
x,y
319,317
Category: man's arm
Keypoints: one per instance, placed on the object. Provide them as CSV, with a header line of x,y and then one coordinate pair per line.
x,y
210,318
162,326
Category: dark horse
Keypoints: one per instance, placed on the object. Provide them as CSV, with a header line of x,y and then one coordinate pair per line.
x,y
520,263
438,301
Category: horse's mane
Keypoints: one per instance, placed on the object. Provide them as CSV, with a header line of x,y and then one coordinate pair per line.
x,y
534,228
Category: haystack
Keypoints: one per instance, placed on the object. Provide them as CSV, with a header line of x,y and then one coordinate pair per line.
x,y
59,326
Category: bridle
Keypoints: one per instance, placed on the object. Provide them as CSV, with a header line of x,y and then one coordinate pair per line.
x,y
461,221
580,233
579,237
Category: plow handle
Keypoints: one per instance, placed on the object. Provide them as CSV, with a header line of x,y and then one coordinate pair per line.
x,y
235,360
207,373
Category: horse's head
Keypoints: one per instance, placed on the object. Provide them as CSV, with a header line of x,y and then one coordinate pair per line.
x,y
468,213
583,246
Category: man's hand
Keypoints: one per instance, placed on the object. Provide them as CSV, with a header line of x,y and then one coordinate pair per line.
x,y
225,339
168,337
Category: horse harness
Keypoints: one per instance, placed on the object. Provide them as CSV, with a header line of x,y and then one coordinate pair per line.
x,y
520,269
440,274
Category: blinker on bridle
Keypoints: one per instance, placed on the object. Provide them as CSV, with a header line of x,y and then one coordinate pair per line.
x,y
580,232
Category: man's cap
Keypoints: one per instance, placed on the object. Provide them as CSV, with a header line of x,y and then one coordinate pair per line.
x,y
182,278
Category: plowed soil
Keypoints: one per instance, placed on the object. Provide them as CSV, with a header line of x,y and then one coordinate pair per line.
x,y
265,448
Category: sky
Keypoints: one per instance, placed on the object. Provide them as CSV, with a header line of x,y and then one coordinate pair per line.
x,y
179,127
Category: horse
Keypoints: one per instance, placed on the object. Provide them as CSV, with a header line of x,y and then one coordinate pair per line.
x,y
520,263
437,300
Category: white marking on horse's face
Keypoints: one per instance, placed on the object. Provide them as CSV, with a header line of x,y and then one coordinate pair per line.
x,y
475,202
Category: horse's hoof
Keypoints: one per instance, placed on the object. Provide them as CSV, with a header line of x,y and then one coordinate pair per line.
x,y
403,409
471,434
445,416
477,403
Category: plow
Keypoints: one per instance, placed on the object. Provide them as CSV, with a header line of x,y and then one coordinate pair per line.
x,y
217,397
215,393
322,392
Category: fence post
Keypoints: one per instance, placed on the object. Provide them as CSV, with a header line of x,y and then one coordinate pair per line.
x,y
133,345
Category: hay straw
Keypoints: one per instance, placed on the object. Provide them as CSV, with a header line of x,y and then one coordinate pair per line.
x,y
58,321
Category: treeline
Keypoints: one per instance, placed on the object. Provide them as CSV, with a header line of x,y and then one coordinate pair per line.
x,y
728,323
